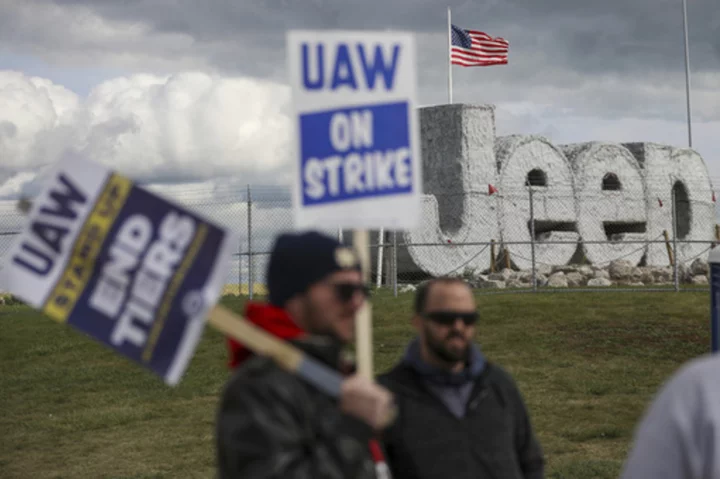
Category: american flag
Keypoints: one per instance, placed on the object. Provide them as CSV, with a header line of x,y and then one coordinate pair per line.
x,y
472,48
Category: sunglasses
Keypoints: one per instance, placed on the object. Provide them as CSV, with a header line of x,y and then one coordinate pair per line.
x,y
346,291
448,318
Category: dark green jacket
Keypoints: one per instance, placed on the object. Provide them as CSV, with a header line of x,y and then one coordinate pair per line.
x,y
494,439
272,424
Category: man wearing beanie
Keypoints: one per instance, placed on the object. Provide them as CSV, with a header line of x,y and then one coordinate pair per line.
x,y
273,424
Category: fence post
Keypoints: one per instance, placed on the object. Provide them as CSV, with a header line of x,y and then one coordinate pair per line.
x,y
381,248
532,239
251,272
394,264
492,255
239,267
676,275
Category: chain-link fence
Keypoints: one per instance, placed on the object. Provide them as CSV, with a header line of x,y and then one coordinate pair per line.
x,y
525,239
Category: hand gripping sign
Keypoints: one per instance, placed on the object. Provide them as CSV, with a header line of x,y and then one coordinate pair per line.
x,y
358,157
135,272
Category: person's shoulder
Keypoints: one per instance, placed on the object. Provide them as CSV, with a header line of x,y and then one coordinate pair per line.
x,y
701,366
397,376
260,376
495,373
698,374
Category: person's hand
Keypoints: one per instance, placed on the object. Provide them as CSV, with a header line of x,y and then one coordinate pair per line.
x,y
367,401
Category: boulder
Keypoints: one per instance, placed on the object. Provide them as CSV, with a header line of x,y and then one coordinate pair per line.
x,y
646,275
558,280
586,271
514,283
503,275
699,266
620,269
601,273
662,274
492,284
699,279
599,282
544,269
575,279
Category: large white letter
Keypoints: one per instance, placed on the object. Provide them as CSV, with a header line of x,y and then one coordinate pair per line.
x,y
610,200
667,168
458,164
530,161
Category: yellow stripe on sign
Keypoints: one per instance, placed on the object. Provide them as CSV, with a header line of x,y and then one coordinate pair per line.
x,y
81,263
175,283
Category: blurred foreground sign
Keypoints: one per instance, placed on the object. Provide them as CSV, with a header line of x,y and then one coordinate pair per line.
x,y
358,161
132,270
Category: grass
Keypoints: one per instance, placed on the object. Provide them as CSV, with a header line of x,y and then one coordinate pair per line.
x,y
587,364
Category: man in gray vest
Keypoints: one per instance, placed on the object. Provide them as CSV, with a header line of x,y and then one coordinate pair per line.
x,y
460,416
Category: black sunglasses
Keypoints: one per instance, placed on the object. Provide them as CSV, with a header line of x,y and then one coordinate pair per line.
x,y
448,318
346,291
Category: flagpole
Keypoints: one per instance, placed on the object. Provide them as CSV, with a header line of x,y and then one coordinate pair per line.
x,y
687,73
449,40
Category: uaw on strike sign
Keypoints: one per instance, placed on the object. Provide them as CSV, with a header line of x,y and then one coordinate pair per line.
x,y
358,160
124,266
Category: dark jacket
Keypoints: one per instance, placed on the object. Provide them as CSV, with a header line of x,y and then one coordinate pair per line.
x,y
273,424
494,439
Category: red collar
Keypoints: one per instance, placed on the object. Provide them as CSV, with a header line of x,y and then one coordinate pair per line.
x,y
272,319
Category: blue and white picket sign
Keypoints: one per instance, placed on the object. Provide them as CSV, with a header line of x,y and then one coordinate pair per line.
x,y
714,264
357,162
130,269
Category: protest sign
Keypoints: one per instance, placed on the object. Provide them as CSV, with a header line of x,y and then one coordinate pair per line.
x,y
135,272
358,160
128,268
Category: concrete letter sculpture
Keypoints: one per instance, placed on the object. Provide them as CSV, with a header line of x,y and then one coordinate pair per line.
x,y
583,194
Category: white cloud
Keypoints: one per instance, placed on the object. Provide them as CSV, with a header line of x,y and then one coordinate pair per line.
x,y
184,127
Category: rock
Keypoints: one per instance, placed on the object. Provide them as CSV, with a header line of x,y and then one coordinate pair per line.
x,y
514,283
525,276
636,283
566,268
646,275
684,273
544,269
575,279
508,273
601,273
406,288
493,284
503,275
599,282
557,280
620,269
698,267
636,275
586,271
662,274
477,280
699,279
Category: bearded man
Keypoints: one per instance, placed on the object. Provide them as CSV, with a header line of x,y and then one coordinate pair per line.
x,y
460,415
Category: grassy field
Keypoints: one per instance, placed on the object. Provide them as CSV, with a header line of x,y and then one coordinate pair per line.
x,y
587,363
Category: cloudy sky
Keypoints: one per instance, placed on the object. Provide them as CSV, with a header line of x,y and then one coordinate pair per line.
x,y
175,91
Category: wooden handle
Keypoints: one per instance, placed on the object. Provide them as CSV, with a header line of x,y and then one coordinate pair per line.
x,y
283,353
259,341
363,319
